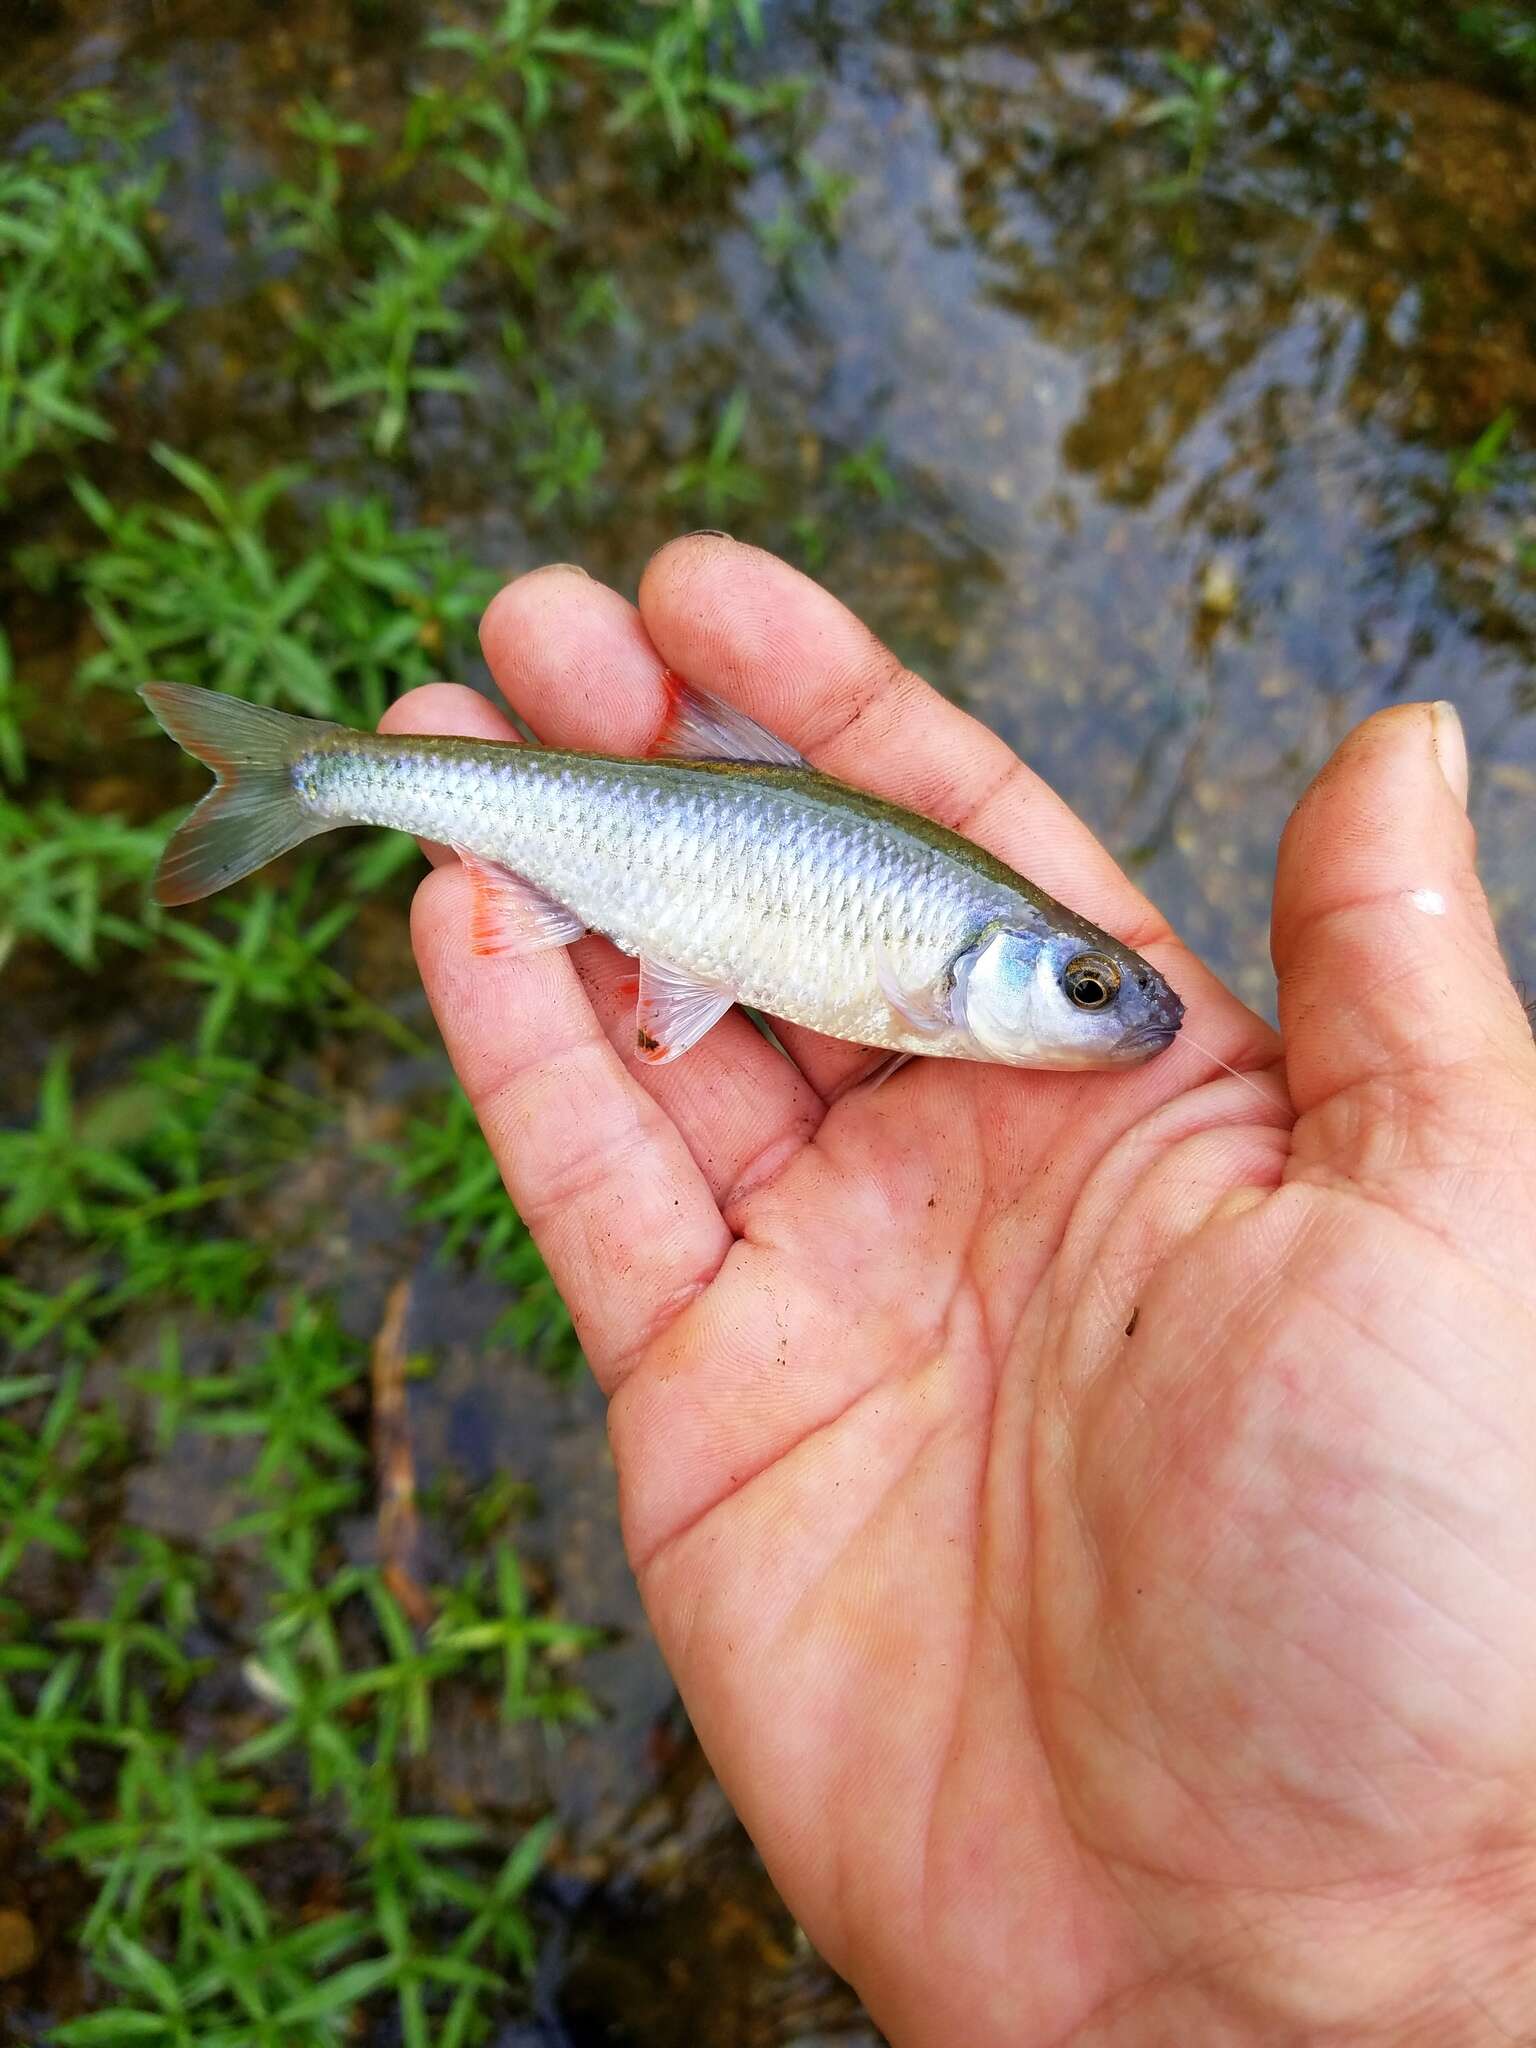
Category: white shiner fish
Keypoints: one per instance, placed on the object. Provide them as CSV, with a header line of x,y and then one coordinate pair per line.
x,y
735,873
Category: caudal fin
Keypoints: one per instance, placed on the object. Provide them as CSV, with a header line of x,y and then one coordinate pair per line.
x,y
253,812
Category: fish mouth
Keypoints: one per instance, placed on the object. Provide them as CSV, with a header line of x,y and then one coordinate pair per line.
x,y
1154,1038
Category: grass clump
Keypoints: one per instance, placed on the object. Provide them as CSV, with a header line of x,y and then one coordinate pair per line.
x,y
1193,116
719,478
332,612
63,873
181,1803
81,302
403,232
372,352
1508,35
13,746
126,1198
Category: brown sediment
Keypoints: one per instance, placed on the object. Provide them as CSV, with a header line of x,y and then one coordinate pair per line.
x,y
394,1461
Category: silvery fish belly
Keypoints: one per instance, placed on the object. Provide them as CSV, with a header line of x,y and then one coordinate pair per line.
x,y
730,869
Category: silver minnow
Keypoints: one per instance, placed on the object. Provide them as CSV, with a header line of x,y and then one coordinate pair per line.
x,y
731,869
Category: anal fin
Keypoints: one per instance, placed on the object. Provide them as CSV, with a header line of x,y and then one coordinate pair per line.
x,y
673,1011
510,915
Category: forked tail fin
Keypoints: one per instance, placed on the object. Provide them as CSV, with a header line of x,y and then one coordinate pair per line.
x,y
253,812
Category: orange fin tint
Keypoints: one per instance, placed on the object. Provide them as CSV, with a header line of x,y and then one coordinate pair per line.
x,y
509,915
698,727
673,1012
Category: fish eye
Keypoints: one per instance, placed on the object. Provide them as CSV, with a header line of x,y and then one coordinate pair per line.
x,y
1091,981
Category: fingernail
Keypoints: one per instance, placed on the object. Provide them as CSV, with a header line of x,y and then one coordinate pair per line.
x,y
707,533
1451,747
571,569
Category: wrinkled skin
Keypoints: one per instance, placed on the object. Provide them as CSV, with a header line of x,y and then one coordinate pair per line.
x,y
1091,1518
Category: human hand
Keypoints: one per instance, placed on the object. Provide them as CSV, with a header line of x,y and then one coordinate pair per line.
x,y
1091,1518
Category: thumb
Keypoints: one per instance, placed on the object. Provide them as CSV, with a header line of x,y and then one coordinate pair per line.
x,y
1403,1033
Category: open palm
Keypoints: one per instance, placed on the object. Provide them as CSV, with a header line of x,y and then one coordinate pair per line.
x,y
1089,1517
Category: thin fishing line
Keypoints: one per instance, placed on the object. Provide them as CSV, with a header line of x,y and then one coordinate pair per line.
x,y
1187,1037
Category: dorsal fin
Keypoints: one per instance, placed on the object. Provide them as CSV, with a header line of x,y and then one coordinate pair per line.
x,y
699,727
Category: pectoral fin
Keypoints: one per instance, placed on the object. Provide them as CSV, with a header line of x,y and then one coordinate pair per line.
x,y
510,915
673,1012
866,1084
923,1010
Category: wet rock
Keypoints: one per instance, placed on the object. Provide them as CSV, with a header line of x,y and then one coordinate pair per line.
x,y
1218,589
